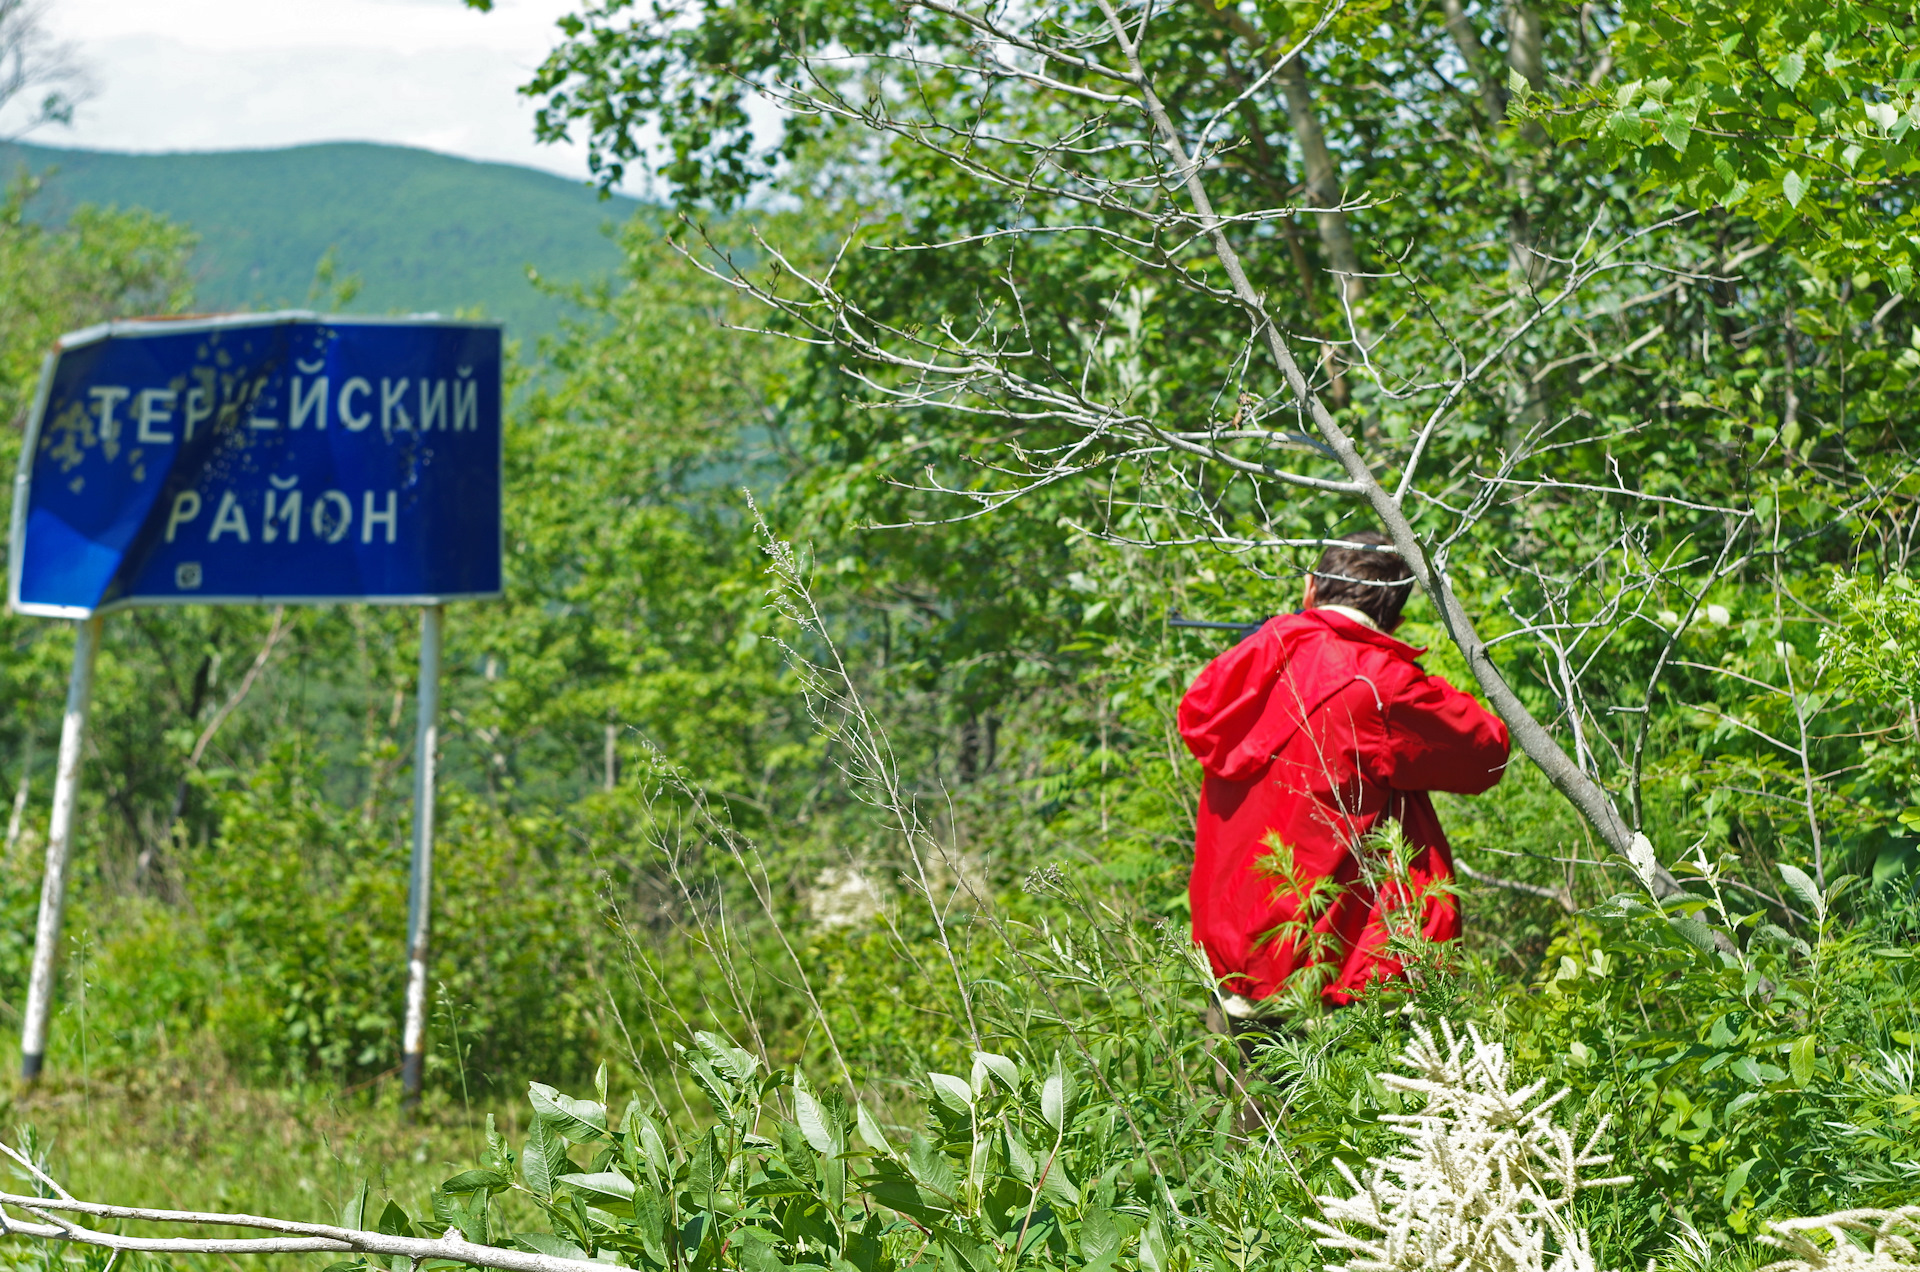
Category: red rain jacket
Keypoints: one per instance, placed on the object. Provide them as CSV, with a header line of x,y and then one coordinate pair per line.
x,y
1314,728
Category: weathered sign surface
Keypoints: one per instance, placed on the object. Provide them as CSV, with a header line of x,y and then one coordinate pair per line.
x,y
271,457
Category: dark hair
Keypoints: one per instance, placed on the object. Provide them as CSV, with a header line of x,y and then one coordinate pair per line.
x,y
1375,582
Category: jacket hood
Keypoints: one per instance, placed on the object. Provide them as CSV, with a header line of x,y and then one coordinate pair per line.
x,y
1234,722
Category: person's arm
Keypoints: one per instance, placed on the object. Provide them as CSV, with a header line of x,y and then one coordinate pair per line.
x,y
1440,739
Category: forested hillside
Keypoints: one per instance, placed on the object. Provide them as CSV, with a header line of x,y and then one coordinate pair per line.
x,y
420,231
815,820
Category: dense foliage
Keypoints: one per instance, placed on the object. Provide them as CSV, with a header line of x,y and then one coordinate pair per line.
x,y
861,863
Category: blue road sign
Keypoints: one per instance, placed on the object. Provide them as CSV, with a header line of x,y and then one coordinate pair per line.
x,y
264,457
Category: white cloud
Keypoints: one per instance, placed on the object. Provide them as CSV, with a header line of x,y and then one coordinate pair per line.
x,y
235,74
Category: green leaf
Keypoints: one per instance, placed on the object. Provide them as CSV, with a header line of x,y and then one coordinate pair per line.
x,y
930,1167
649,1220
1803,888
498,1153
719,1091
394,1221
876,1139
709,1166
1000,1067
1053,1098
1153,1245
545,1158
1756,1072
1625,125
607,1184
955,1093
471,1181
1695,933
655,1148
895,1189
865,1251
581,1121
548,1244
1736,1180
1057,1186
1800,1059
1677,129
354,1213
1794,186
755,1250
964,1255
1018,1158
736,1064
1790,68
1100,1237
815,1123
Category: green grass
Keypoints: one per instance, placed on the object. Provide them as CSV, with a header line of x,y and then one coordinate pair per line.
x,y
190,1135
423,231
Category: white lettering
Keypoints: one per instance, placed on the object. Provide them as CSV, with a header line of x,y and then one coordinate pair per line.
x,y
199,410
288,510
186,506
106,398
332,529
392,414
262,422
313,402
466,406
368,516
347,417
433,404
148,411
230,517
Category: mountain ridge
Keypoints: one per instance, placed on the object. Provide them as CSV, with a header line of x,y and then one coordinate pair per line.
x,y
424,231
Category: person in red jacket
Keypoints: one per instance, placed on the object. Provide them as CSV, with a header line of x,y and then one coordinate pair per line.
x,y
1312,733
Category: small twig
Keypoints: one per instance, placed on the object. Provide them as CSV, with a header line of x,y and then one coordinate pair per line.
x,y
1559,896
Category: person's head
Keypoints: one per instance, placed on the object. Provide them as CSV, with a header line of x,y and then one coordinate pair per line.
x,y
1371,579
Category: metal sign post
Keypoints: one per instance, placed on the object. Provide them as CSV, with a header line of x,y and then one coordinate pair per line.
x,y
53,885
426,747
258,459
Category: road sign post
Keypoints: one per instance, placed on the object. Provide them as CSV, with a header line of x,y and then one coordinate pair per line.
x,y
53,884
426,749
257,459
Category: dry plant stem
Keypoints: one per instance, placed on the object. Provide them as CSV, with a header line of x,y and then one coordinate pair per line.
x,y
721,949
872,753
1580,789
1807,784
278,630
756,873
298,1238
1698,599
798,605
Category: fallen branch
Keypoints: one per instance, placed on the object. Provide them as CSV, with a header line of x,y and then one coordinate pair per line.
x,y
1559,896
316,1238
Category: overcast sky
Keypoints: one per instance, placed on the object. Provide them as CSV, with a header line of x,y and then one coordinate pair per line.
x,y
232,74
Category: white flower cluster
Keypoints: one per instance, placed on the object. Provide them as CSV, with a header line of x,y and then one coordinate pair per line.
x,y
1894,1234
1483,1182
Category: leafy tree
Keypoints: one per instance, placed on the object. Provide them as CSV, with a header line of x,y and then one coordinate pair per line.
x,y
1801,117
